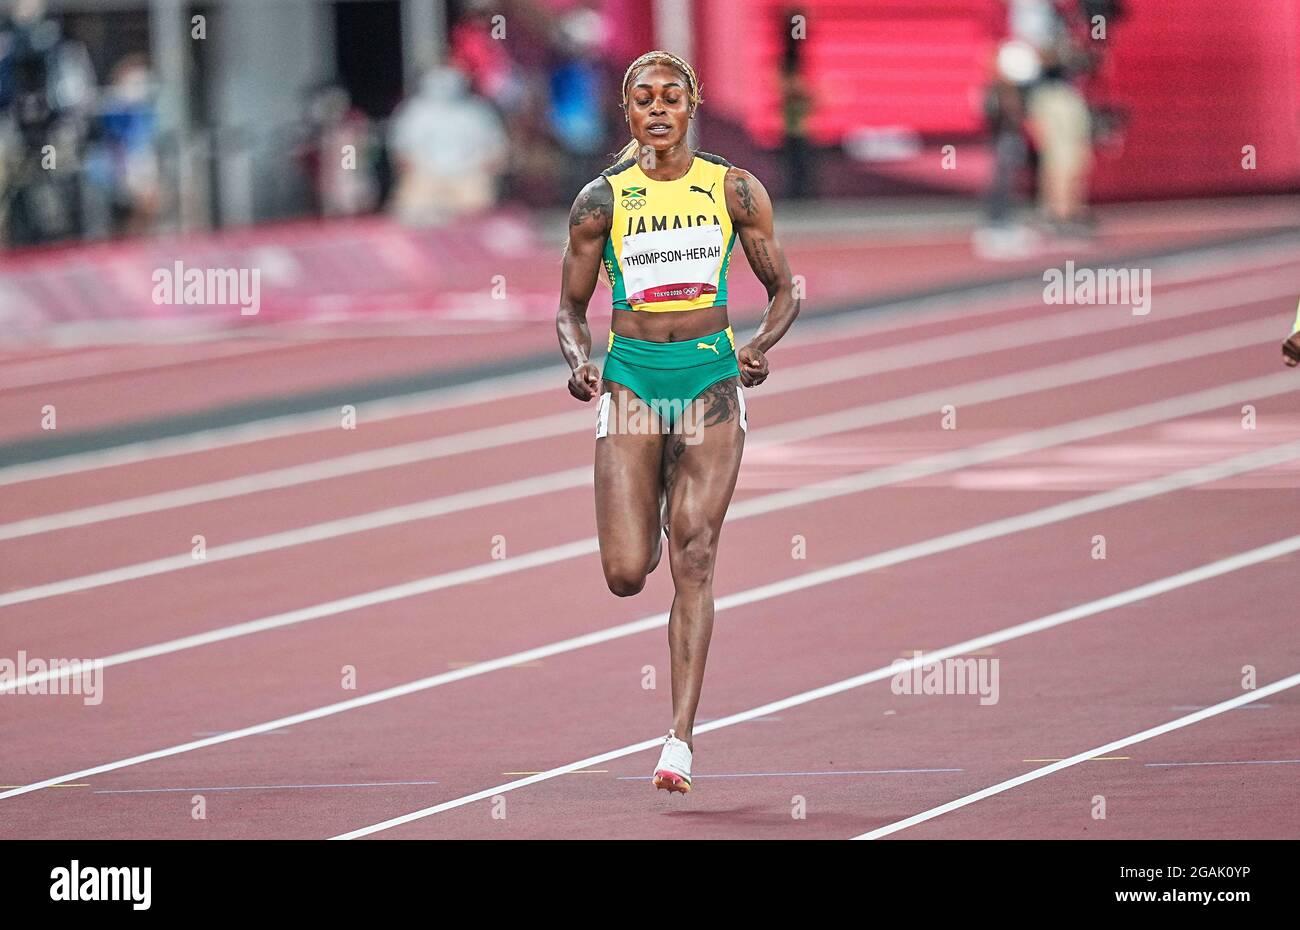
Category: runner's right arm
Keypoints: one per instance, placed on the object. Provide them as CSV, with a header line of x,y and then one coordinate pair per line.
x,y
1291,348
589,227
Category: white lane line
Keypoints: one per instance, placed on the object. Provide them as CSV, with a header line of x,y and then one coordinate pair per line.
x,y
1134,358
424,402
359,784
901,314
317,532
294,475
946,543
292,424
1092,608
20,374
1074,431
799,377
1214,710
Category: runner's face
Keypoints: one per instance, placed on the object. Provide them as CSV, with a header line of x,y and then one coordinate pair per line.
x,y
658,109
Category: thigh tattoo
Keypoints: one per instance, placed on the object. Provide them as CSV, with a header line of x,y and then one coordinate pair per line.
x,y
720,404
673,450
719,400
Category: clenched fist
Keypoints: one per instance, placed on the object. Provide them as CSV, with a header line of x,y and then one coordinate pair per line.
x,y
753,365
584,382
1291,351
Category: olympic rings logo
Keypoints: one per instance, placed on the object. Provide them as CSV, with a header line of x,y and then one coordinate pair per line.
x,y
629,204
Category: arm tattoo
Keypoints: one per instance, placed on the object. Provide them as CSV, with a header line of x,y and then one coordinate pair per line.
x,y
766,267
595,201
745,194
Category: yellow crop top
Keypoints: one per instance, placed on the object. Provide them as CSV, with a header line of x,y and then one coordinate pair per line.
x,y
669,246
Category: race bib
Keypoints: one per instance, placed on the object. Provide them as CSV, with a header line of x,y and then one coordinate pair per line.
x,y
672,264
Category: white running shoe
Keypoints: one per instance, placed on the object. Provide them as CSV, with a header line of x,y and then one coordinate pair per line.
x,y
674,769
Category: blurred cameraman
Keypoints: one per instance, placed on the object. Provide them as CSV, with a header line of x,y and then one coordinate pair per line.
x,y
46,86
1057,113
1015,67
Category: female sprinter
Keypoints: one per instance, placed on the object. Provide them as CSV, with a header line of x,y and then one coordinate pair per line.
x,y
670,423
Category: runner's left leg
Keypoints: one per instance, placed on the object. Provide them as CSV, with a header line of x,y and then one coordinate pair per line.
x,y
699,478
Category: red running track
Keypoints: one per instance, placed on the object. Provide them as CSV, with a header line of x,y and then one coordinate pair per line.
x,y
825,766
134,380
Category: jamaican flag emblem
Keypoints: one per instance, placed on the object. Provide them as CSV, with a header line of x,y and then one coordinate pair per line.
x,y
633,198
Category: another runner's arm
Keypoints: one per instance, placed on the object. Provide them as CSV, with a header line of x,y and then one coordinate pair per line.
x,y
1291,348
589,226
751,216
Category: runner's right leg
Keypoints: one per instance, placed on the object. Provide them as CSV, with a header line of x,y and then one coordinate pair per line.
x,y
628,489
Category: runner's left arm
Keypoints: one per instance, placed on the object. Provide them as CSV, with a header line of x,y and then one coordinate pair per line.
x,y
751,215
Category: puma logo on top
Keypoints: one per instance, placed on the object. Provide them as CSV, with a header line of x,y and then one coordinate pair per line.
x,y
707,193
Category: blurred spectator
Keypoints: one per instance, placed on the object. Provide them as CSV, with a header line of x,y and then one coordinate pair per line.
x,y
1016,66
340,154
518,93
46,90
449,147
125,162
796,103
1057,113
1109,115
484,59
577,118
